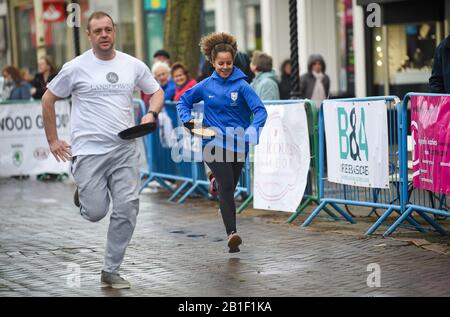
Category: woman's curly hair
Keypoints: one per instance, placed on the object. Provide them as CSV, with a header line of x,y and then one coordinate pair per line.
x,y
215,43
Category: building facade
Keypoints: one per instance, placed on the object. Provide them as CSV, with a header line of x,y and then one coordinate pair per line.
x,y
401,49
40,27
393,57
325,27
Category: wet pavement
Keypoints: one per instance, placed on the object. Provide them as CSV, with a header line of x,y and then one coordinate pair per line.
x,y
47,249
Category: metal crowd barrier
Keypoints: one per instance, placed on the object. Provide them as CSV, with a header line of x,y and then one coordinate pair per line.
x,y
161,167
190,177
312,191
386,199
417,200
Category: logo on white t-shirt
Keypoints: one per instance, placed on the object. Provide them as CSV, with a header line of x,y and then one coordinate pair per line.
x,y
113,78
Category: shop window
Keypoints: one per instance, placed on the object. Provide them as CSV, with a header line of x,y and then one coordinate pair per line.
x,y
26,39
154,33
410,53
253,28
123,14
246,25
55,34
210,16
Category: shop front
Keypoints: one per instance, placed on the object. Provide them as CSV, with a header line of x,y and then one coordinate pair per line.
x,y
57,39
400,52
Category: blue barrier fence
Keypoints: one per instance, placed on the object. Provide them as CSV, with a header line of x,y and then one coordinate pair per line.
x,y
423,202
311,195
390,199
401,197
139,112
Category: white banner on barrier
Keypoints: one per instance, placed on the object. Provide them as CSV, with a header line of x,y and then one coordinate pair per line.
x,y
357,143
23,145
282,159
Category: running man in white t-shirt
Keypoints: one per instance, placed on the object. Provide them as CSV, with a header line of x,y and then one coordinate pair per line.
x,y
102,82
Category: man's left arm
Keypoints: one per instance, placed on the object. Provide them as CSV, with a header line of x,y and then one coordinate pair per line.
x,y
156,104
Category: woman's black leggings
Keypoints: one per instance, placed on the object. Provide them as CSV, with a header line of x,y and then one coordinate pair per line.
x,y
227,176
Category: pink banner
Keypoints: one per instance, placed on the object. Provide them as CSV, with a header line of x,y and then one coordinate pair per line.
x,y
431,148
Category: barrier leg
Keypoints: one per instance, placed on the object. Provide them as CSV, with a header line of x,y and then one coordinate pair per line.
x,y
144,174
163,184
148,181
314,214
413,222
329,212
300,210
244,205
202,190
238,192
379,222
179,191
433,223
343,213
399,221
187,194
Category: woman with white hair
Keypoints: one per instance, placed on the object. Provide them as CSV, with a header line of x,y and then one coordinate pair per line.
x,y
161,72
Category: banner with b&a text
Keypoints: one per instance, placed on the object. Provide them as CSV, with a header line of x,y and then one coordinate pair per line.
x,y
357,143
430,123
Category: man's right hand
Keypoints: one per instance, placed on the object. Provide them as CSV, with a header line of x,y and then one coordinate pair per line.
x,y
60,150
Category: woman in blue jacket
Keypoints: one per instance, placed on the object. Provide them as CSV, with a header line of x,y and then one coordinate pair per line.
x,y
230,103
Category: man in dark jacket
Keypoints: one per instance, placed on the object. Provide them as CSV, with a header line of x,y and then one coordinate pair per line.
x,y
440,80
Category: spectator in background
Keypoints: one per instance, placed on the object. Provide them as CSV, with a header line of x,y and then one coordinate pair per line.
x,y
26,75
47,71
265,83
161,72
255,56
182,80
17,88
161,56
315,85
440,80
285,84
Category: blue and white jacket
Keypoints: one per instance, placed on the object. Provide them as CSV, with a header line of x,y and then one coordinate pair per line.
x,y
229,103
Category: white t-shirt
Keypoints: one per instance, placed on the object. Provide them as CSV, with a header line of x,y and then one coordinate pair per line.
x,y
102,98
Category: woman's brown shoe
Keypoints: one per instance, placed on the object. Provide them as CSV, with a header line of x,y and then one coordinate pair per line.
x,y
234,241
